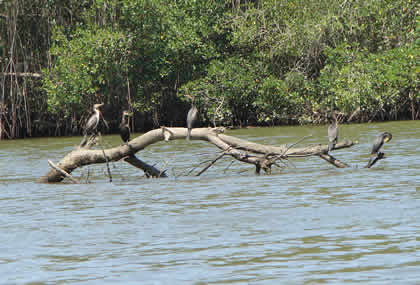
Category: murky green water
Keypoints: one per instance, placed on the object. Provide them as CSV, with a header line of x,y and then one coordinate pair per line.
x,y
307,224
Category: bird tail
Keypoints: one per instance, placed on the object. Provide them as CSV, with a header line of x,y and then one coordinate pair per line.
x,y
188,134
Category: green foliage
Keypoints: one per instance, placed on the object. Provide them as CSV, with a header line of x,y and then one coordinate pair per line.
x,y
377,83
228,90
91,62
246,62
281,100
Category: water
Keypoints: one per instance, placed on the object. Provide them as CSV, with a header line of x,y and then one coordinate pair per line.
x,y
309,223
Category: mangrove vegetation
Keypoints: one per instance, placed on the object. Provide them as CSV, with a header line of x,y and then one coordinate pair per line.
x,y
246,62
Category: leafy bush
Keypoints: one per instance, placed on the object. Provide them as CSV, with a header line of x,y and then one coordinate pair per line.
x,y
380,84
92,62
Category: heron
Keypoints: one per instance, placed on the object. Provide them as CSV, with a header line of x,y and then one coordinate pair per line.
x,y
333,132
124,127
91,127
377,145
191,117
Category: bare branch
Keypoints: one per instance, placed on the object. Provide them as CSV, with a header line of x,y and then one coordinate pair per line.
x,y
22,74
211,163
242,150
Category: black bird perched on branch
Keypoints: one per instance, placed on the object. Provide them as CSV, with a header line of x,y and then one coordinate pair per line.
x,y
377,145
92,124
191,117
333,132
124,127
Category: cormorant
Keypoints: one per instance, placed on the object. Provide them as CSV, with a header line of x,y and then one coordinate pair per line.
x,y
124,127
332,132
377,145
92,123
191,117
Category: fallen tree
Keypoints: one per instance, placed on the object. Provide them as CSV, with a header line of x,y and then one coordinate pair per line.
x,y
261,156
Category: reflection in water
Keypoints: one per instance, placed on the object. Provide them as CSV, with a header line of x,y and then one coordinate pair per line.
x,y
306,224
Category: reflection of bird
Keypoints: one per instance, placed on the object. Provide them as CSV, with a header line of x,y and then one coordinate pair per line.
x,y
333,132
191,117
92,124
124,128
377,144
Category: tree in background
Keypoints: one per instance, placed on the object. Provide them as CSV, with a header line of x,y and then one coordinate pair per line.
x,y
246,62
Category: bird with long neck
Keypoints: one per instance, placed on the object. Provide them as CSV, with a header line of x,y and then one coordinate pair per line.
x,y
333,132
124,127
191,116
92,124
377,145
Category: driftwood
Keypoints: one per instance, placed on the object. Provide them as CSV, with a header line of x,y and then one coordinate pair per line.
x,y
259,155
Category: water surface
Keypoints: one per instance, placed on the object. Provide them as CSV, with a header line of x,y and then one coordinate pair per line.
x,y
308,223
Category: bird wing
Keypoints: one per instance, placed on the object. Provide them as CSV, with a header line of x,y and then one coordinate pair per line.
x,y
91,124
377,144
332,133
191,116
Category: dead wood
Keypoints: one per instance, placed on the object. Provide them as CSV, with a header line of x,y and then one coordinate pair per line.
x,y
211,163
331,159
261,156
74,180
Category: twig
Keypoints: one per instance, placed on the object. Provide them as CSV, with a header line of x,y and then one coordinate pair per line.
x,y
282,155
210,164
164,166
293,144
227,167
196,166
87,176
107,164
74,180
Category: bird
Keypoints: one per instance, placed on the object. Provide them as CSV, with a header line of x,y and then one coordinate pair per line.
x,y
333,132
92,124
377,145
124,127
191,117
